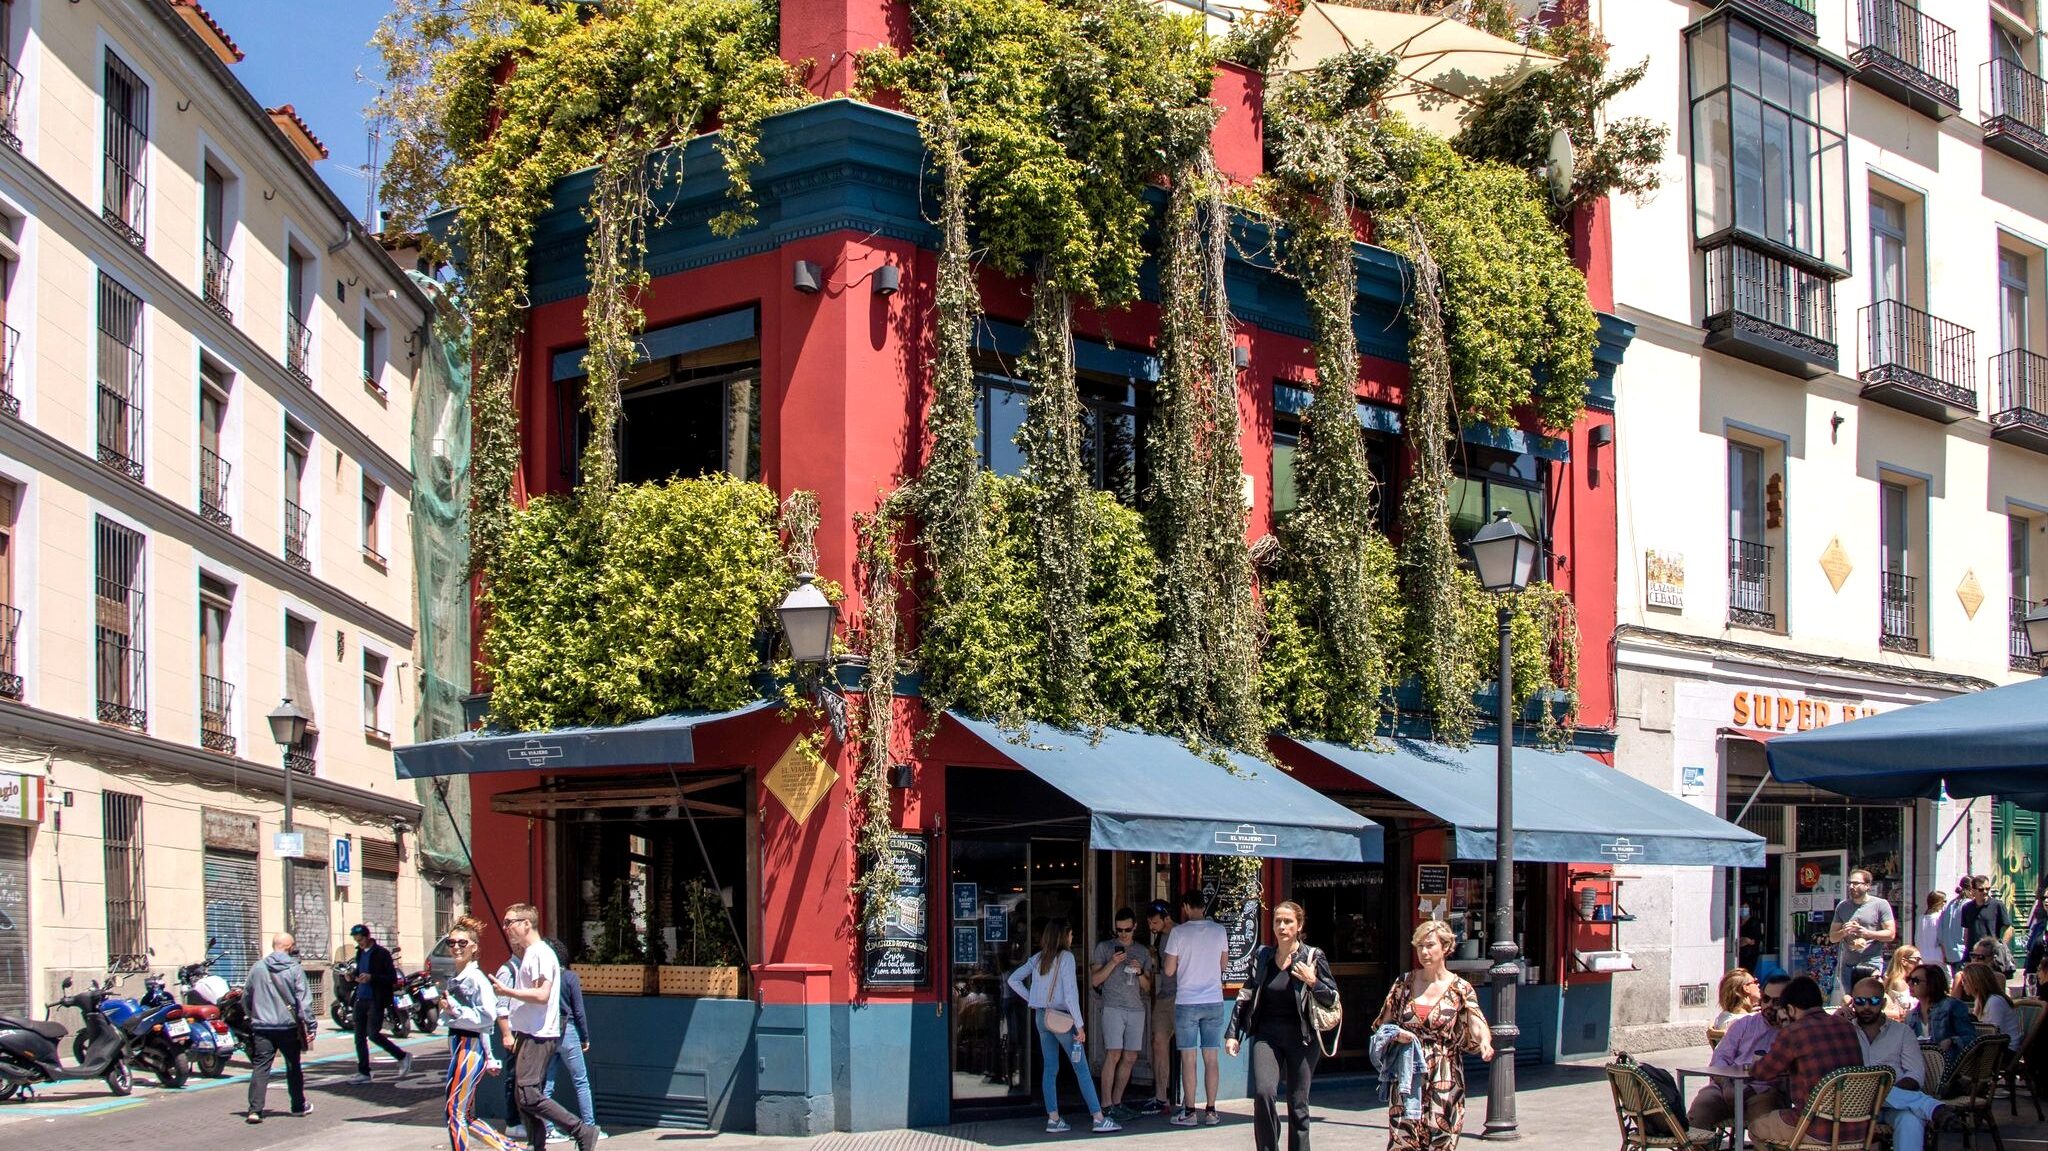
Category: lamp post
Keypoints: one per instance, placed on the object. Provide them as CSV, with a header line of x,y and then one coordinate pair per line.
x,y
287,727
1504,554
2037,635
807,619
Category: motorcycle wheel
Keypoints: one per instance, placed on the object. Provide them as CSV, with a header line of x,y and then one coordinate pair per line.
x,y
338,1011
119,1081
7,1089
174,1074
429,1019
212,1066
401,1024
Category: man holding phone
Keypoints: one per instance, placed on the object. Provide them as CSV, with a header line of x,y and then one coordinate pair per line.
x,y
1121,969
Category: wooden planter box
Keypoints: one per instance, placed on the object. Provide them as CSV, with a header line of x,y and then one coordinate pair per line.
x,y
615,978
699,982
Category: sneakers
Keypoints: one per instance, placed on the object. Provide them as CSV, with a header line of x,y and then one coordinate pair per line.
x,y
557,1135
359,1077
1183,1118
1055,1125
1120,1113
1106,1125
603,1134
586,1137
1210,1118
253,1117
300,1112
1154,1106
405,1066
516,1131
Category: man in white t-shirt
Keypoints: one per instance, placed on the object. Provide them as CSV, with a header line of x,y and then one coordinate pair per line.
x,y
1194,958
536,995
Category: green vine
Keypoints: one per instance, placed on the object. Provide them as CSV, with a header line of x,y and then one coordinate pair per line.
x,y
1051,439
881,574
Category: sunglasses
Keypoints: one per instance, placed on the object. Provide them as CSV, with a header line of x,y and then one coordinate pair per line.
x,y
1912,980
1126,931
1867,1000
455,943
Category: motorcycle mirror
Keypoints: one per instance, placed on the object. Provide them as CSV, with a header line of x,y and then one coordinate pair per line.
x,y
66,985
212,939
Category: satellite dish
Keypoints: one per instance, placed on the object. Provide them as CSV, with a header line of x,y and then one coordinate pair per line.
x,y
1563,165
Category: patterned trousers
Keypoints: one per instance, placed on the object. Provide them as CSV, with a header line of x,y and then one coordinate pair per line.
x,y
465,1068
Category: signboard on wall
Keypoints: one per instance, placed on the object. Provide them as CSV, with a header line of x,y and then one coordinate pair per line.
x,y
344,863
21,798
1241,926
897,950
1664,577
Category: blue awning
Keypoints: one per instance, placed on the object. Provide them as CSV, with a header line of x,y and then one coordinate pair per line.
x,y
661,740
1984,743
1151,793
1569,808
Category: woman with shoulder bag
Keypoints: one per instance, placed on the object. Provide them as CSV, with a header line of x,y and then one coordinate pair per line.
x,y
1433,1009
1289,1000
1046,982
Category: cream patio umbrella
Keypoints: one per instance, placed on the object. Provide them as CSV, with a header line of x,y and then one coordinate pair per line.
x,y
1444,65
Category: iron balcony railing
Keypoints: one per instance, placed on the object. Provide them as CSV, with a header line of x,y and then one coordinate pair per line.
x,y
213,488
298,523
123,689
1910,46
1795,14
2016,112
1749,585
298,348
299,761
2019,649
1905,345
10,637
120,440
10,105
216,722
2022,379
1898,628
1744,281
220,268
10,342
126,206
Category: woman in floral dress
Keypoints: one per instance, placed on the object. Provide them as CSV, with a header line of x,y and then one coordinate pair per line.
x,y
1439,1011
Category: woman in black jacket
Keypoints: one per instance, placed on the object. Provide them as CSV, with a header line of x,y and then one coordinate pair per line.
x,y
1273,1010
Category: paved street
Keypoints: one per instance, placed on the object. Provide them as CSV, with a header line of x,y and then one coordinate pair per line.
x,y
1561,1109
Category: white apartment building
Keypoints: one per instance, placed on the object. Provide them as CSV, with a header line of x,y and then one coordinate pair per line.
x,y
1832,440
204,486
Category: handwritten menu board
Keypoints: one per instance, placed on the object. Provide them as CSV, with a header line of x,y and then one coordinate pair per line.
x,y
897,951
1241,926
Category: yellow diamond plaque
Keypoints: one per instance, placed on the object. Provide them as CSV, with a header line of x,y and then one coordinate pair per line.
x,y
799,783
1835,562
1971,593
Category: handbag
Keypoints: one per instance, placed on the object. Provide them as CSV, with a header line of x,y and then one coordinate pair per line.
x,y
1056,1021
1326,1020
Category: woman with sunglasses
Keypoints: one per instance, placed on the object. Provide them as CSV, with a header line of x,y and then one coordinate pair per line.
x,y
1936,1018
472,1009
1899,997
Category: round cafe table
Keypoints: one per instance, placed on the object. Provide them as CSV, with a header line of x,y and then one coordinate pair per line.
x,y
1737,1084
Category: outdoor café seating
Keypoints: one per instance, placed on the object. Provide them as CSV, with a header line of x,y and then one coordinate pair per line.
x,y
1841,1114
1648,1121
1971,1090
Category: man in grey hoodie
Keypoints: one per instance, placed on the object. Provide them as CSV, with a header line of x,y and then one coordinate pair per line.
x,y
280,1010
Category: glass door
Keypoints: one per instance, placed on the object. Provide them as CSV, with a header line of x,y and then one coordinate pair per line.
x,y
1003,891
1815,883
1350,916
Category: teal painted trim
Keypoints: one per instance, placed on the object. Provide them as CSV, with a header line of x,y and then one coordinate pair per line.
x,y
1616,334
1517,441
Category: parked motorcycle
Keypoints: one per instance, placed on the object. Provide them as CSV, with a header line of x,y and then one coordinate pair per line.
x,y
28,1048
155,1041
210,1041
211,1003
342,1008
426,996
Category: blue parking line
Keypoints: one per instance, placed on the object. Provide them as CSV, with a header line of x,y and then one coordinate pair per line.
x,y
196,1083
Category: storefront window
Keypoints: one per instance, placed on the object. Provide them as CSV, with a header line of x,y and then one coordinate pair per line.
x,y
692,408
638,890
1873,838
1114,415
1471,914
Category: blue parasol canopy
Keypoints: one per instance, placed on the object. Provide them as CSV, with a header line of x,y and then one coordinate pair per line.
x,y
1985,743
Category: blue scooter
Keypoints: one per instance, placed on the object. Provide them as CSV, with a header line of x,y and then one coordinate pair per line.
x,y
153,1039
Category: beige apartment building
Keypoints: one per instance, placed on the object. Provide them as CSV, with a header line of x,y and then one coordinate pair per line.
x,y
1832,442
204,487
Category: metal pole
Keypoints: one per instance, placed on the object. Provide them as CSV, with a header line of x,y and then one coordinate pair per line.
x,y
289,927
1507,970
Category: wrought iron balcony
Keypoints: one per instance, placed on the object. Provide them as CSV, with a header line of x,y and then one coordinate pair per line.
x,y
120,432
299,761
123,688
2021,416
126,206
10,105
1768,310
298,349
10,342
216,721
2016,113
298,523
1908,56
220,270
1899,621
213,488
2019,649
1749,585
1919,363
10,639
1795,16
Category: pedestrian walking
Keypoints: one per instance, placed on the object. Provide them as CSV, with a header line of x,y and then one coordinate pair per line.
x,y
1194,957
1988,918
1433,1009
1864,929
1954,952
1046,982
472,1011
1273,1008
2037,938
575,1040
1121,970
537,1029
376,977
1159,919
280,1022
1927,932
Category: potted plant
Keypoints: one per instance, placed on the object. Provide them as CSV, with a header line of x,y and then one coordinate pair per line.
x,y
617,963
704,940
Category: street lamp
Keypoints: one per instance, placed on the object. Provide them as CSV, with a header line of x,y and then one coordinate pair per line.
x,y
807,620
1505,555
287,728
2037,634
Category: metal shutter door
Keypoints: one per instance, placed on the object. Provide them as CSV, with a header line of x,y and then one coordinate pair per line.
x,y
380,906
14,923
310,925
231,911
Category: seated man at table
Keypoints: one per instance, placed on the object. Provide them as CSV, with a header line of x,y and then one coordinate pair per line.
x,y
1809,1045
1747,1040
1889,1043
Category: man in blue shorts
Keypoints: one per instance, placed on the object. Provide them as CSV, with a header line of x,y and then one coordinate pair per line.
x,y
1194,958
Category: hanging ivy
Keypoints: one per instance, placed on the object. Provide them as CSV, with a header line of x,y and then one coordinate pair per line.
x,y
879,569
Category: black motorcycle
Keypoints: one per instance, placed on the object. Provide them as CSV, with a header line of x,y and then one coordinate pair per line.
x,y
28,1048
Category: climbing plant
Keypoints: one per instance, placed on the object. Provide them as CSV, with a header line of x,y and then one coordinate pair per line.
x,y
880,570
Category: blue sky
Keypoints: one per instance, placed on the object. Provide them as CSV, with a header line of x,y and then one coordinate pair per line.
x,y
305,53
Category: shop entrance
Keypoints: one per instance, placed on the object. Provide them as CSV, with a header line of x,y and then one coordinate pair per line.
x,y
1352,916
1017,859
1816,883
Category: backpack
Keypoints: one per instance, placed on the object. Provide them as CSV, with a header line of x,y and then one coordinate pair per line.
x,y
1662,1082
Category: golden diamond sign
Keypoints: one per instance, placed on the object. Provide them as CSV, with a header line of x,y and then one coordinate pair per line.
x,y
1835,562
1971,593
798,782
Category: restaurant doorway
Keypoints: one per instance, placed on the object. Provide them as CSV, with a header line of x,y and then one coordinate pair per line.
x,y
1352,916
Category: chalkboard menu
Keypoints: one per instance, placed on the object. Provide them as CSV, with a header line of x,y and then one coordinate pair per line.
x,y
897,952
1241,925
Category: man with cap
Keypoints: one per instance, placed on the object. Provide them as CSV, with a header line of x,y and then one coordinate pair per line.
x,y
376,978
1159,918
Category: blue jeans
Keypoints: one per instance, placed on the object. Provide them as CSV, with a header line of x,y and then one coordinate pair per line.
x,y
1908,1112
569,1057
1057,1049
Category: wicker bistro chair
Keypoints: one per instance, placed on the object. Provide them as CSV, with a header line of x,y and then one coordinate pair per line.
x,y
1970,1092
1647,1122
1845,1097
2020,1069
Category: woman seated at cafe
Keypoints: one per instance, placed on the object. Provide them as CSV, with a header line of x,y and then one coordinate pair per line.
x,y
1739,995
1937,1019
1985,989
1898,998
